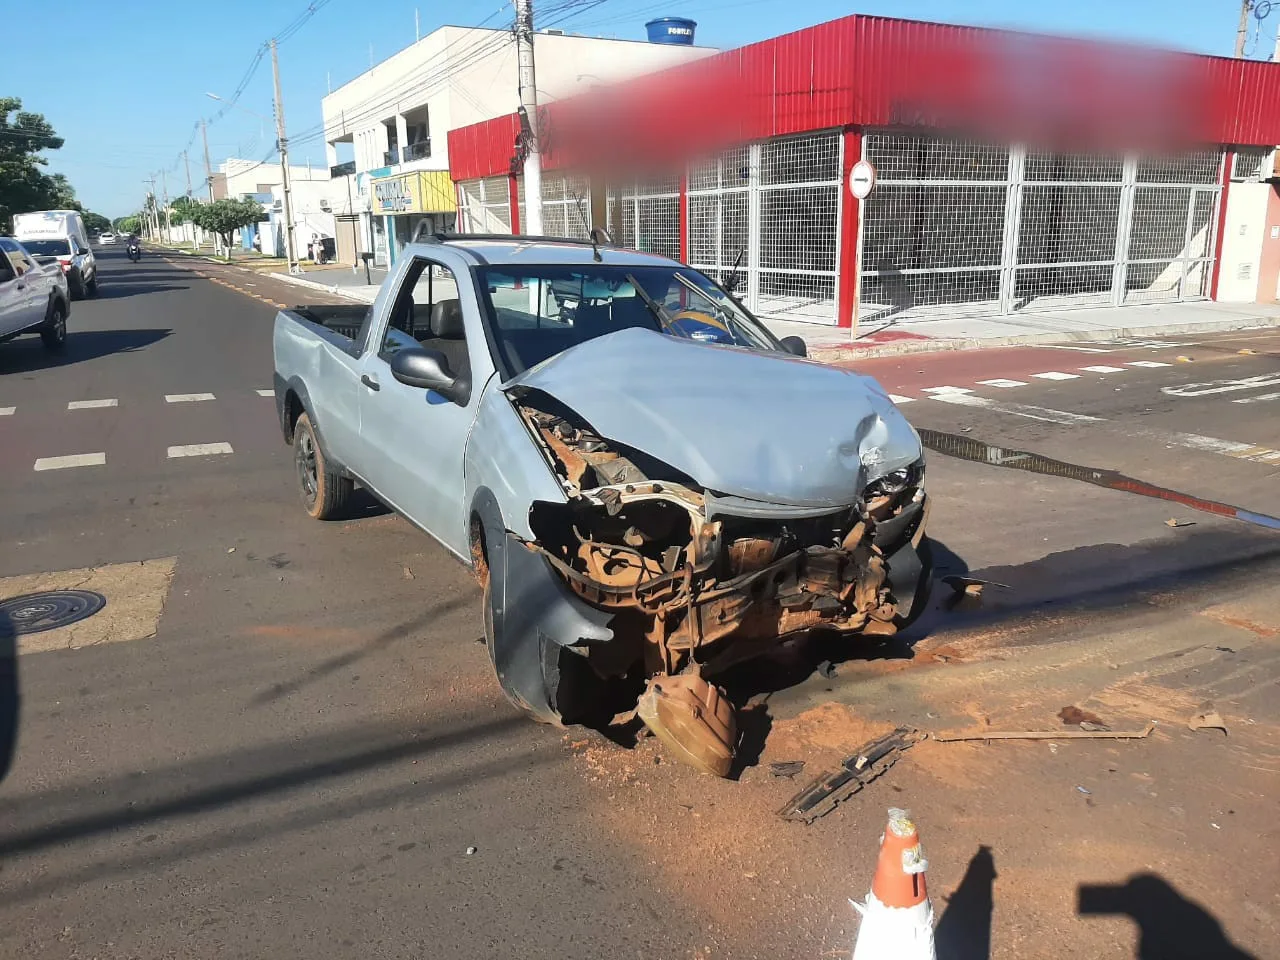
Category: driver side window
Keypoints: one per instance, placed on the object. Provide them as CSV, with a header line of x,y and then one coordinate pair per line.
x,y
428,313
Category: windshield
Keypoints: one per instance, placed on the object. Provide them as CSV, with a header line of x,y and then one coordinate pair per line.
x,y
539,311
47,248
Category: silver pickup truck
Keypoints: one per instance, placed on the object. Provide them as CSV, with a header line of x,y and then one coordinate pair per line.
x,y
647,484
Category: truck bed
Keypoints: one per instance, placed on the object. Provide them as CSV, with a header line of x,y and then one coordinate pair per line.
x,y
344,319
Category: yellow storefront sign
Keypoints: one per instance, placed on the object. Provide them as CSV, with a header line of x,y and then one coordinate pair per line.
x,y
423,191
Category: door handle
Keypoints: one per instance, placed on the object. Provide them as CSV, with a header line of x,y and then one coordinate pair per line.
x,y
370,382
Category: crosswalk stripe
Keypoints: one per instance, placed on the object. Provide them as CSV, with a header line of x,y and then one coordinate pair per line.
x,y
1056,375
937,391
92,404
7,411
266,393
1146,363
1258,399
901,400
1103,369
74,460
187,397
1044,414
1003,384
200,450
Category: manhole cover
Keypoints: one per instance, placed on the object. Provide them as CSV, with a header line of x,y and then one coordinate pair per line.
x,y
37,612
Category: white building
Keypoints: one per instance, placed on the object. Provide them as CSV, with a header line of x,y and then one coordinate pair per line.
x,y
244,178
322,211
395,117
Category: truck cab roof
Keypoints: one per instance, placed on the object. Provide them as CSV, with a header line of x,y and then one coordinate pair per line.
x,y
508,250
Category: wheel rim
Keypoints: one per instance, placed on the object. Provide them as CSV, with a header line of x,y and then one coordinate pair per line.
x,y
305,457
59,324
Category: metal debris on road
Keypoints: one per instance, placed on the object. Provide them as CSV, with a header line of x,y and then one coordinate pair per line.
x,y
471,851
1175,522
1087,793
786,768
872,759
1208,720
1046,735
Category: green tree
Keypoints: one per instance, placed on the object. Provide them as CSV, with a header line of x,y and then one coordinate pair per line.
x,y
182,209
128,224
225,217
95,222
24,186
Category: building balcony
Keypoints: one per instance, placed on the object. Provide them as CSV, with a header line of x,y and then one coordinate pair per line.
x,y
391,157
419,150
342,170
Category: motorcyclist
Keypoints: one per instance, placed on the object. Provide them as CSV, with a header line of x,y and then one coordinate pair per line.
x,y
134,244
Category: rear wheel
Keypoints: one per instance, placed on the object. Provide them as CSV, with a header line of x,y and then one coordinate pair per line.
x,y
54,331
92,285
325,492
75,285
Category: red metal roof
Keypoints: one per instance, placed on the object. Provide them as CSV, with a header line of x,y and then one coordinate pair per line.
x,y
879,71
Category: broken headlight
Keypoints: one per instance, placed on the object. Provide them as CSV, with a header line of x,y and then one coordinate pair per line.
x,y
892,484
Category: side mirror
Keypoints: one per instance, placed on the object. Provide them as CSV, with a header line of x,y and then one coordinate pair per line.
x,y
795,346
429,370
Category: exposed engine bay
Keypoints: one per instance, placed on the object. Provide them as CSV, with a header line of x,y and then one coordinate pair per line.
x,y
695,587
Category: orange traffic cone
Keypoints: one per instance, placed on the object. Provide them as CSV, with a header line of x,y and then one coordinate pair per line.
x,y
897,918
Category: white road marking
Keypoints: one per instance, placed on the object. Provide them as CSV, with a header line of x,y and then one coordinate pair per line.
x,y
187,397
1004,384
200,450
1222,386
1044,414
92,404
1146,363
266,393
7,411
74,460
1064,346
1227,448
939,391
1259,398
1104,369
1056,375
901,400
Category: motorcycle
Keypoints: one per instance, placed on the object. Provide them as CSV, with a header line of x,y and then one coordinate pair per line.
x,y
135,251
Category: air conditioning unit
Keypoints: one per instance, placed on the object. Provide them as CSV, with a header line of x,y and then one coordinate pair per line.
x,y
324,207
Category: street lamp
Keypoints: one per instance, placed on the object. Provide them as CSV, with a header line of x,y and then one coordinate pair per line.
x,y
254,113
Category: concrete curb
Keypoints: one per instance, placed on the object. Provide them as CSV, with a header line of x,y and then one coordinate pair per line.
x,y
846,352
332,289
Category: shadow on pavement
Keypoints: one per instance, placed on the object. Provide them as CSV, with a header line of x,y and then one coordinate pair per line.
x,y
9,703
29,353
1170,927
116,287
964,930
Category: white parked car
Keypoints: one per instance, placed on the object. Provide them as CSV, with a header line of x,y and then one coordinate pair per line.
x,y
33,296
61,234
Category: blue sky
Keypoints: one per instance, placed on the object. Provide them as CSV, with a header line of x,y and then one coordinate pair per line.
x,y
127,85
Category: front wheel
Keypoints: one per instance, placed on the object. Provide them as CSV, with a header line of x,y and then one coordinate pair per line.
x,y
54,332
325,492
92,286
75,285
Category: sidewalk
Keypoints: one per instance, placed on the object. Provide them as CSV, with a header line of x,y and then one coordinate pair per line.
x,y
885,339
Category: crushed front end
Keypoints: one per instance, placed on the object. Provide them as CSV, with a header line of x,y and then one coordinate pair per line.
x,y
698,581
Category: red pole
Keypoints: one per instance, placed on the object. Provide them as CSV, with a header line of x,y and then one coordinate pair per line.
x,y
684,218
848,266
1228,161
513,200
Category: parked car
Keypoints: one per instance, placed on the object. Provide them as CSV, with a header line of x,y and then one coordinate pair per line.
x,y
61,233
33,296
646,500
107,238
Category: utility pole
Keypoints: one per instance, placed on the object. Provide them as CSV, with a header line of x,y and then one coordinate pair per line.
x,y
168,215
153,223
290,250
1246,7
187,164
529,118
208,170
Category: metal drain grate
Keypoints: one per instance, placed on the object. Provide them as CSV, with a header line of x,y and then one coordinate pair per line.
x,y
37,612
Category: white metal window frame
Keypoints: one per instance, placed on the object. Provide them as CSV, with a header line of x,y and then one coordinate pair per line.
x,y
1187,272
484,206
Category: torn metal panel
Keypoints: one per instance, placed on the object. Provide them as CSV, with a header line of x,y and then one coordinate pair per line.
x,y
872,759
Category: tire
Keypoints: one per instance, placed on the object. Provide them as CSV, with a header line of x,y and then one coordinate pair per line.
x,y
92,285
54,331
325,493
75,286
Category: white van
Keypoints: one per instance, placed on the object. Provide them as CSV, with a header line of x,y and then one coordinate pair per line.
x,y
60,234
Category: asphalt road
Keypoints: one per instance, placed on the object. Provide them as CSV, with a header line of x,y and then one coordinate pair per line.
x,y
281,738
